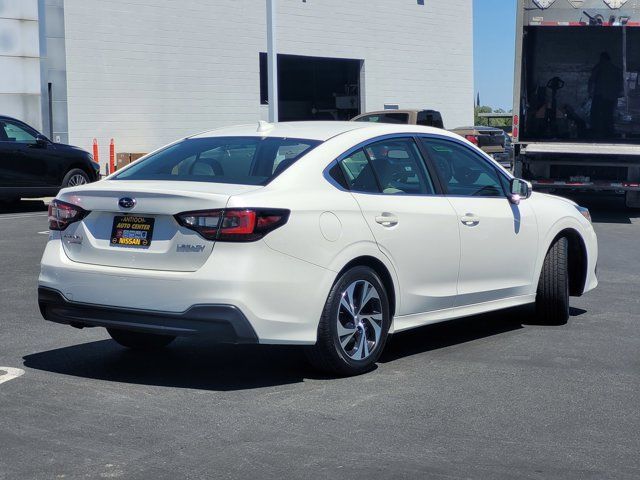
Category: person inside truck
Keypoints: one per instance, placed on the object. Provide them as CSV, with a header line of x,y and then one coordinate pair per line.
x,y
605,86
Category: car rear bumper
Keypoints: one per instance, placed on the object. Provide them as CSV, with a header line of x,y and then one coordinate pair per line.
x,y
221,323
281,297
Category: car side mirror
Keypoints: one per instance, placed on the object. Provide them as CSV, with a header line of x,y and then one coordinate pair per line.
x,y
519,190
42,141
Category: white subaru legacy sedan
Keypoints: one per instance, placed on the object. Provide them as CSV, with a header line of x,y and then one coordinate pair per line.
x,y
331,235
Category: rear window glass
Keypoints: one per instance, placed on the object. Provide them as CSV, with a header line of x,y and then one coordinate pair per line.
x,y
430,118
237,160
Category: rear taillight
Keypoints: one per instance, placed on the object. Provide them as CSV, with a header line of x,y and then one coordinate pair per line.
x,y
234,225
62,214
472,138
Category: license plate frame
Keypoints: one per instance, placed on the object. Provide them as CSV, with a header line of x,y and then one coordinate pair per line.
x,y
132,231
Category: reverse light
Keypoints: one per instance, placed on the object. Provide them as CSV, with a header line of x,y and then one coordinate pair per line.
x,y
63,214
234,224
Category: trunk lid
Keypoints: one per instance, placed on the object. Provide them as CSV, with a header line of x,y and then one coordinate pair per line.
x,y
171,247
490,138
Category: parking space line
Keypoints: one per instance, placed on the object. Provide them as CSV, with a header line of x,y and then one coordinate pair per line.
x,y
9,373
30,215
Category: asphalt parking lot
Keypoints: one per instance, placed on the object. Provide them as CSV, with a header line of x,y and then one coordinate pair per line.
x,y
484,397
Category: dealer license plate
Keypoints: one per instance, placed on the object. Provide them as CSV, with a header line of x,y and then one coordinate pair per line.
x,y
132,231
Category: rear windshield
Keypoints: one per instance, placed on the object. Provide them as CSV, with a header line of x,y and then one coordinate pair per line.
x,y
237,160
430,118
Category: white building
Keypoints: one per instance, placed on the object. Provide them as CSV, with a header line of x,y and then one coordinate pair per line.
x,y
147,72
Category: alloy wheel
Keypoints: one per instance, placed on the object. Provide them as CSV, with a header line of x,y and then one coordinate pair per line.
x,y
76,180
359,320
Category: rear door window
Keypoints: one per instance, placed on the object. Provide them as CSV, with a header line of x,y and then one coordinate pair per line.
x,y
399,167
389,167
237,160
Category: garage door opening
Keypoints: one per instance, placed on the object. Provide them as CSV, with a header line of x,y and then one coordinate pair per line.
x,y
314,88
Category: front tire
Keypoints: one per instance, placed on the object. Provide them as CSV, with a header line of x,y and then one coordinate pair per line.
x,y
139,340
354,325
552,298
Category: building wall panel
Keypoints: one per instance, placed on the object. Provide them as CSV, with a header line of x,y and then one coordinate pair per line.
x,y
146,72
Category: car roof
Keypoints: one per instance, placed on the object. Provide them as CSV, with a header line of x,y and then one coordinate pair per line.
x,y
311,130
6,117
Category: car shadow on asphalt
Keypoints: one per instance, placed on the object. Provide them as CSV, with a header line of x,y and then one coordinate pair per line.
x,y
23,206
186,363
457,332
198,364
454,332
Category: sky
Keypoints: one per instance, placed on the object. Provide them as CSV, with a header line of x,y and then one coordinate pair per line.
x,y
494,51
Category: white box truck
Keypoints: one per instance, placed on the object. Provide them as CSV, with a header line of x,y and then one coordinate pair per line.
x,y
576,122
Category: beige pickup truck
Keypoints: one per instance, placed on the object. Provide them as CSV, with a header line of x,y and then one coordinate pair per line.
x,y
428,118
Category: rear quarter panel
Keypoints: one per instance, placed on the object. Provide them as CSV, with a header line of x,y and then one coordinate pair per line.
x,y
326,226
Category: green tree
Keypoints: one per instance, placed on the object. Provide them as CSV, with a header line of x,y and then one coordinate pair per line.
x,y
496,122
479,120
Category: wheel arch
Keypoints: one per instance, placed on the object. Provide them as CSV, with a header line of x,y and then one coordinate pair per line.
x,y
577,260
79,166
383,272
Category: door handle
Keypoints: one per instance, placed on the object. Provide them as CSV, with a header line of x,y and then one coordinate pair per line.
x,y
470,220
387,220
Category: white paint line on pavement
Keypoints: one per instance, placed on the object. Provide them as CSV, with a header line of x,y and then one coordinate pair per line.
x,y
46,232
9,373
30,215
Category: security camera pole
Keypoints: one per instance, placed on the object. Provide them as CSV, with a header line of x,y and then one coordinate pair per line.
x,y
272,62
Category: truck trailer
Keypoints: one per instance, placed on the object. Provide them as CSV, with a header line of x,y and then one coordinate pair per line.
x,y
576,122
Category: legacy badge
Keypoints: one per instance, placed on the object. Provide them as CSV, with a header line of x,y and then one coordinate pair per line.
x,y
185,247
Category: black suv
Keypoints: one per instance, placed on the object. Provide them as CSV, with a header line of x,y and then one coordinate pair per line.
x,y
31,165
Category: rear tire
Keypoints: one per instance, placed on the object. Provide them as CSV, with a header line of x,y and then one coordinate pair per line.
x,y
75,177
552,298
139,340
354,324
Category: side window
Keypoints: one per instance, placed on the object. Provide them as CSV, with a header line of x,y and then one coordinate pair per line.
x,y
399,167
338,176
15,133
462,171
358,173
